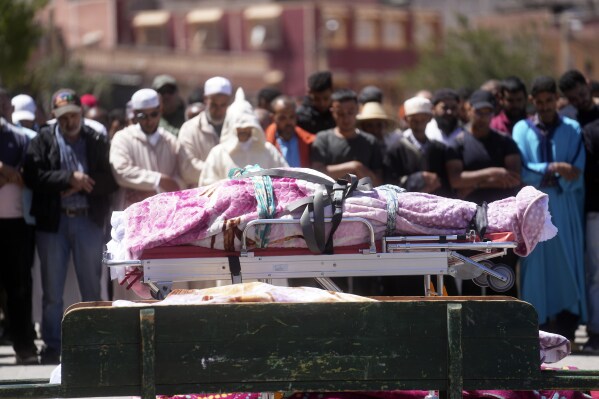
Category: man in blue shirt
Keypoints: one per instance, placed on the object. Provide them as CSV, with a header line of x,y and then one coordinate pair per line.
x,y
553,158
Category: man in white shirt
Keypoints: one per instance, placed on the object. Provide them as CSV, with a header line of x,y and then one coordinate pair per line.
x,y
202,132
144,157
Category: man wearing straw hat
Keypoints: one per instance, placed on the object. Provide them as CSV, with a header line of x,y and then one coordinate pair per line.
x,y
374,120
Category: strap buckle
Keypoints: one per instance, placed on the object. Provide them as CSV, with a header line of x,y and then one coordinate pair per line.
x,y
339,189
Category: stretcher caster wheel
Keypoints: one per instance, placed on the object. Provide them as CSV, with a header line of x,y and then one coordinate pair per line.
x,y
502,286
483,280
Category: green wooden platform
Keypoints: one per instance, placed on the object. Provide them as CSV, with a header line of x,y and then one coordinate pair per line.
x,y
445,344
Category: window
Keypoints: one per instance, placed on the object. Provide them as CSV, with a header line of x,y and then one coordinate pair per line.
x,y
205,29
426,30
393,34
366,33
151,28
334,26
264,30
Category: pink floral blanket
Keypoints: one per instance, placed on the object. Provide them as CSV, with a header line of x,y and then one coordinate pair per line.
x,y
214,217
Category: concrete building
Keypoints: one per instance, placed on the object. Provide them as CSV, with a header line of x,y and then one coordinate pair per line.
x,y
255,44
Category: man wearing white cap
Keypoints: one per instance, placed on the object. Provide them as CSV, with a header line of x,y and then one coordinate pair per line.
x,y
415,162
202,132
144,157
24,111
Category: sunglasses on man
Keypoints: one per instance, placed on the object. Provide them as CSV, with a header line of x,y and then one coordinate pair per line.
x,y
143,115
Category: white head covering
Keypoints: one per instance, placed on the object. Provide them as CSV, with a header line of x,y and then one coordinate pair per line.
x,y
417,105
240,114
24,108
217,85
144,99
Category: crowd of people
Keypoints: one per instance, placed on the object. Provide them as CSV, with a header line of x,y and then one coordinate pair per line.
x,y
60,178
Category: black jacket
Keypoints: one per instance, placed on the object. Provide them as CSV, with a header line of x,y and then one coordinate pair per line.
x,y
313,121
42,173
591,173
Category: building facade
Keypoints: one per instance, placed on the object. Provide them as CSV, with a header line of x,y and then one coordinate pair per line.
x,y
255,44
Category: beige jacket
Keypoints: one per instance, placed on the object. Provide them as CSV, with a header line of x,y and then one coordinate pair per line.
x,y
137,165
196,138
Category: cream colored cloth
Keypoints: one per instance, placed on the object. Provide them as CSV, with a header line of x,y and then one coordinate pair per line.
x,y
221,159
196,137
230,153
251,292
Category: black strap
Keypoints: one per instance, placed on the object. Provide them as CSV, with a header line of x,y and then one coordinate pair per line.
x,y
480,222
342,189
235,269
314,232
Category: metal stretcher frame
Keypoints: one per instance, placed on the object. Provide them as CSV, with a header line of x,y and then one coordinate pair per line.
x,y
398,256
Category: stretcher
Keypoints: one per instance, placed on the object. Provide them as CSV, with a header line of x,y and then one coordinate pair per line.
x,y
464,256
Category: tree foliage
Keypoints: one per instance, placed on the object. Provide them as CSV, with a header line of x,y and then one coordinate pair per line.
x,y
471,56
19,35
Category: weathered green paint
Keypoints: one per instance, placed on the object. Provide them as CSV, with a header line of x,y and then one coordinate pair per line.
x,y
454,346
148,354
412,344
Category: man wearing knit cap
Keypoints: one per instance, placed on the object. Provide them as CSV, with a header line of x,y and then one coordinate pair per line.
x,y
415,162
202,132
144,156
445,124
67,168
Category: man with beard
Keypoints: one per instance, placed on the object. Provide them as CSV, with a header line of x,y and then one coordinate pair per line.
x,y
415,162
553,157
201,133
575,88
482,165
291,140
577,91
445,124
173,106
67,168
513,102
144,157
314,115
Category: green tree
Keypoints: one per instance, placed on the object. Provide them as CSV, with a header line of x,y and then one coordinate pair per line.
x,y
19,35
471,56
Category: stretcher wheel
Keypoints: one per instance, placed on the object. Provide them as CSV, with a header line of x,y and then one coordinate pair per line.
x,y
483,280
506,271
